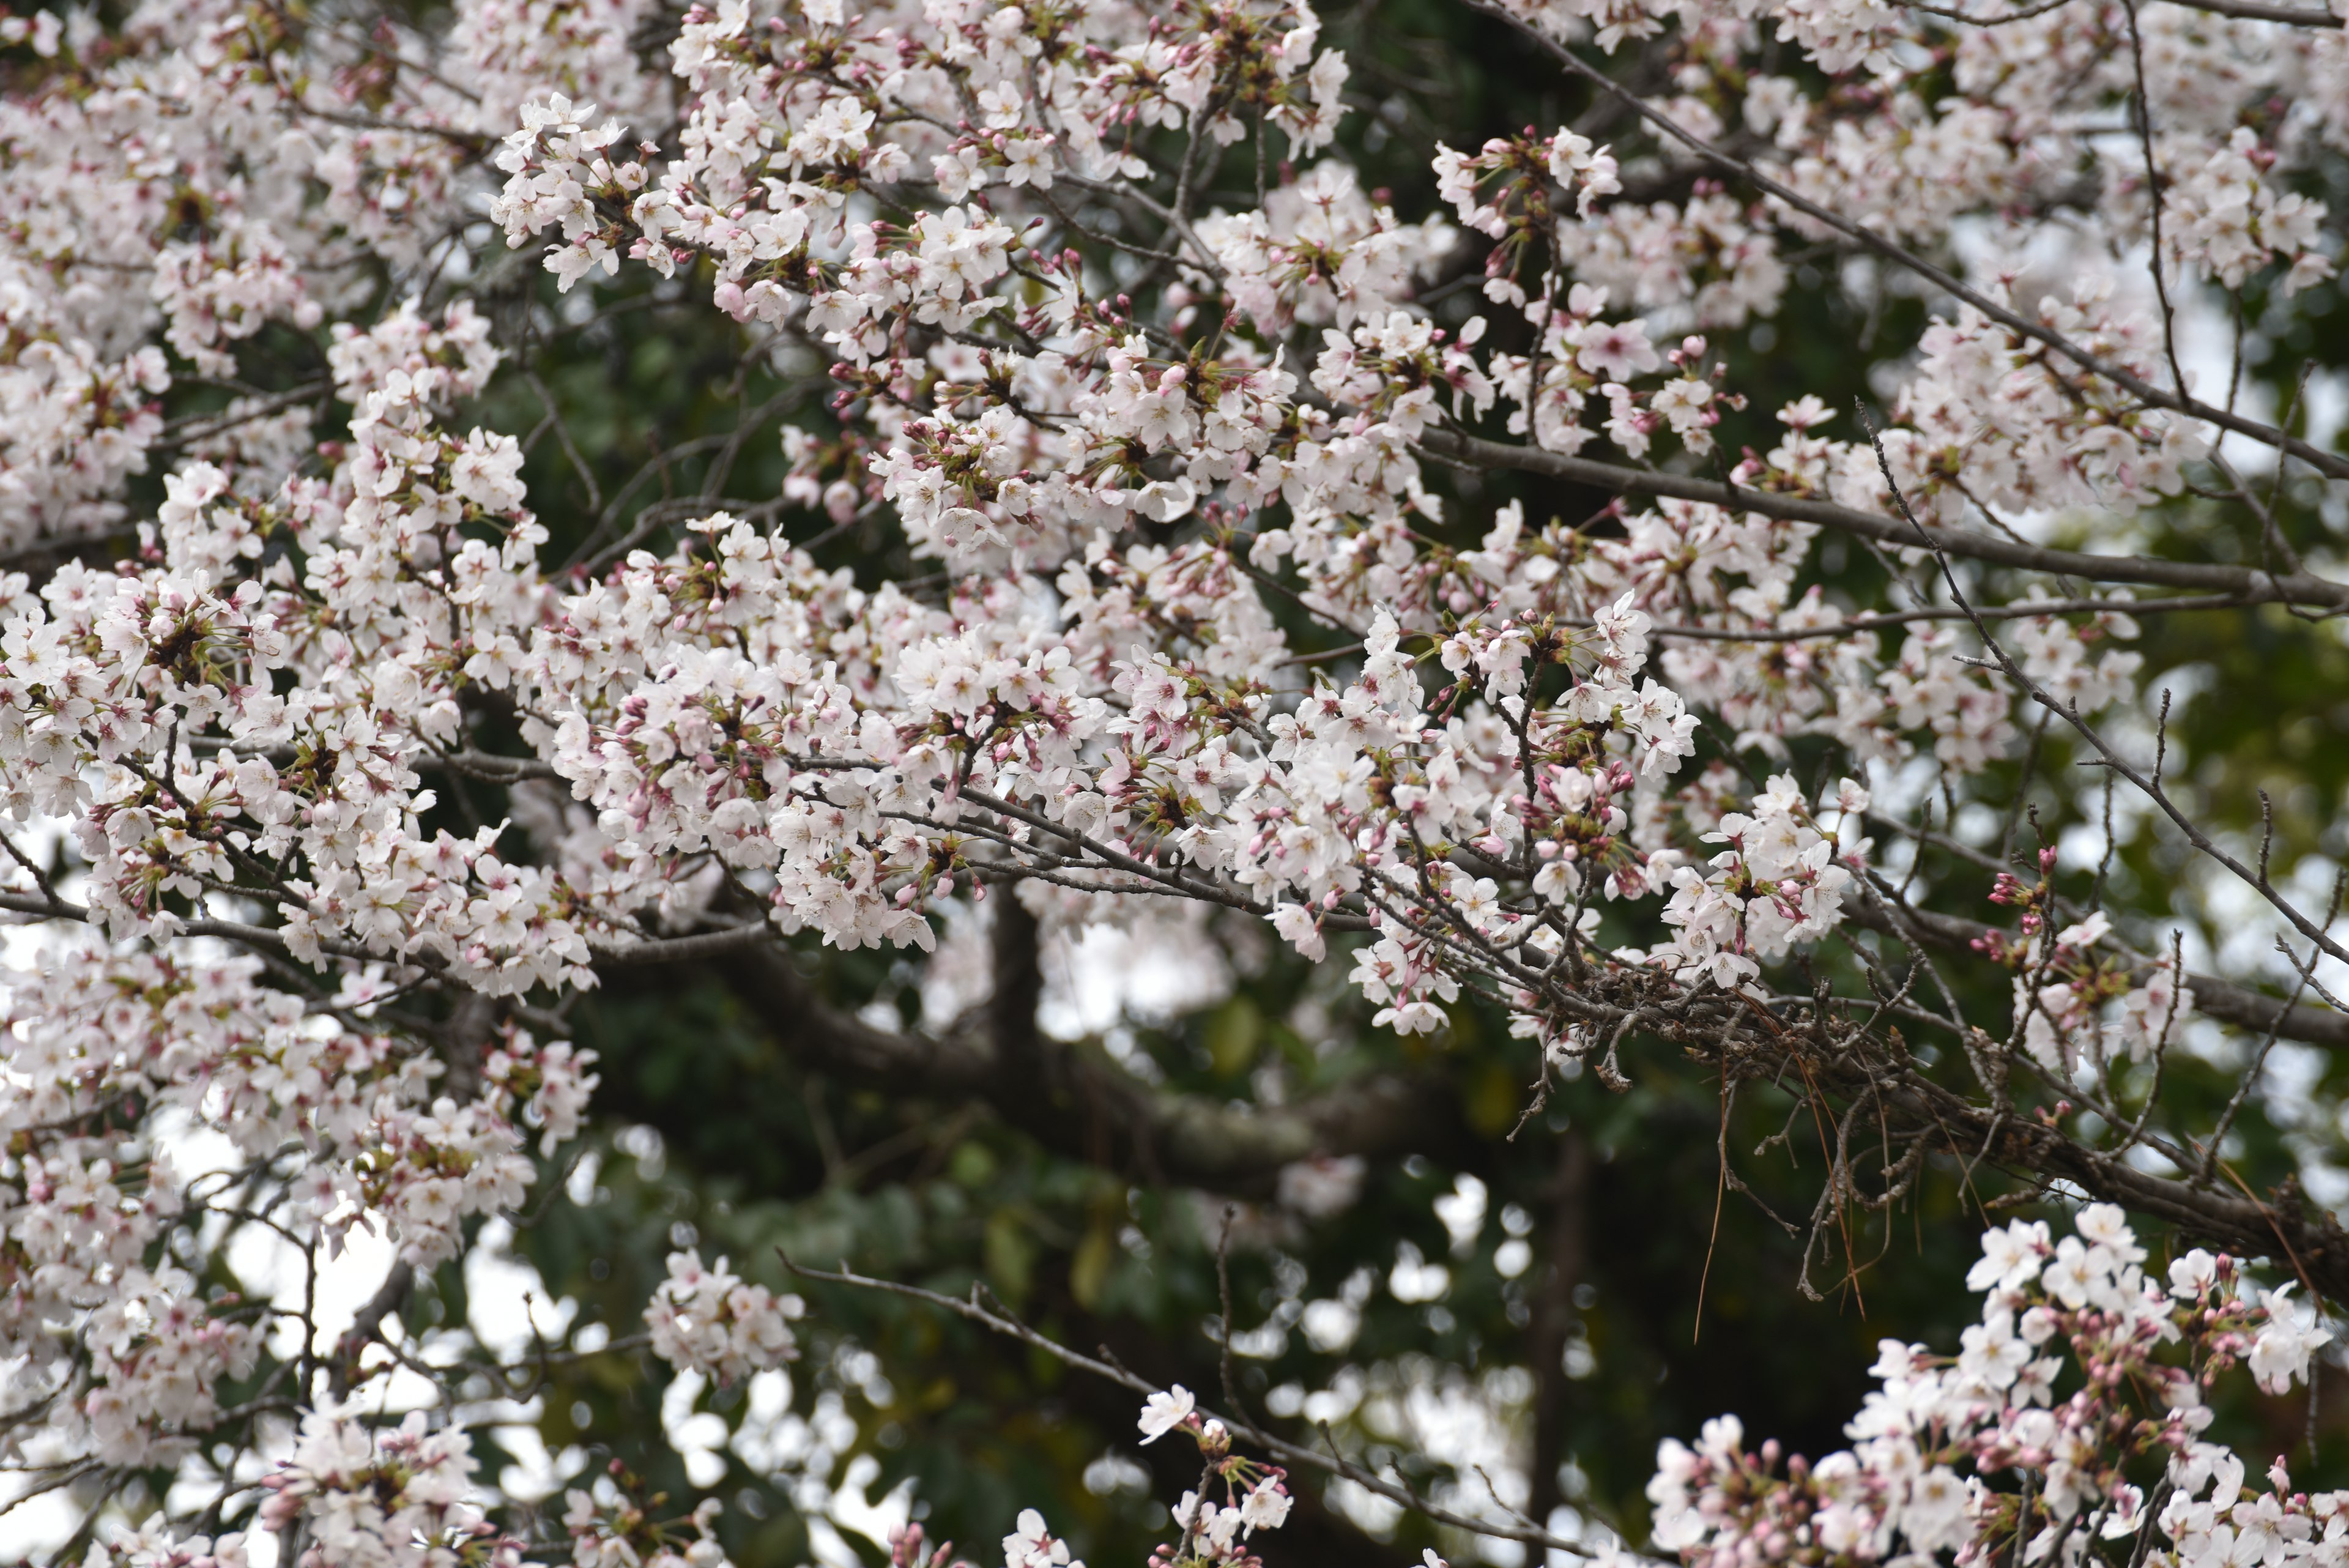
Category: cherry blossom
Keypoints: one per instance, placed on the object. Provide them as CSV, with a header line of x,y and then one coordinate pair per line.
x,y
357,762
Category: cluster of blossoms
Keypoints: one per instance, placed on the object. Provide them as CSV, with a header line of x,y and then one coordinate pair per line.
x,y
612,1525
111,1060
158,192
2062,982
2084,1373
1135,415
709,1320
1779,882
1254,1496
372,1497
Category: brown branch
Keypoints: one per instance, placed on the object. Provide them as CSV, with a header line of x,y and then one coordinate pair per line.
x,y
2213,997
1073,1099
2251,11
1563,1267
2243,583
367,1327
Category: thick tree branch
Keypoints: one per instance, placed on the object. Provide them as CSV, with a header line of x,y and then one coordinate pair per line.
x,y
1564,1265
1190,1140
2251,11
1079,1104
2250,585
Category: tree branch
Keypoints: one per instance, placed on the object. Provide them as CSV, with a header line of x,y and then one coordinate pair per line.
x,y
1078,1103
2250,585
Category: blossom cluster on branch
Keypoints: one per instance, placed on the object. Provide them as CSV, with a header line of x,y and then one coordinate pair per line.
x,y
2082,1370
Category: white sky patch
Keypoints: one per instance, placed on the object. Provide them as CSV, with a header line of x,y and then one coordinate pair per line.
x,y
1160,966
506,1300
873,1518
1150,962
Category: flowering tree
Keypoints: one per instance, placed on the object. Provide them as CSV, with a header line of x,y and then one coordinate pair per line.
x,y
1115,513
